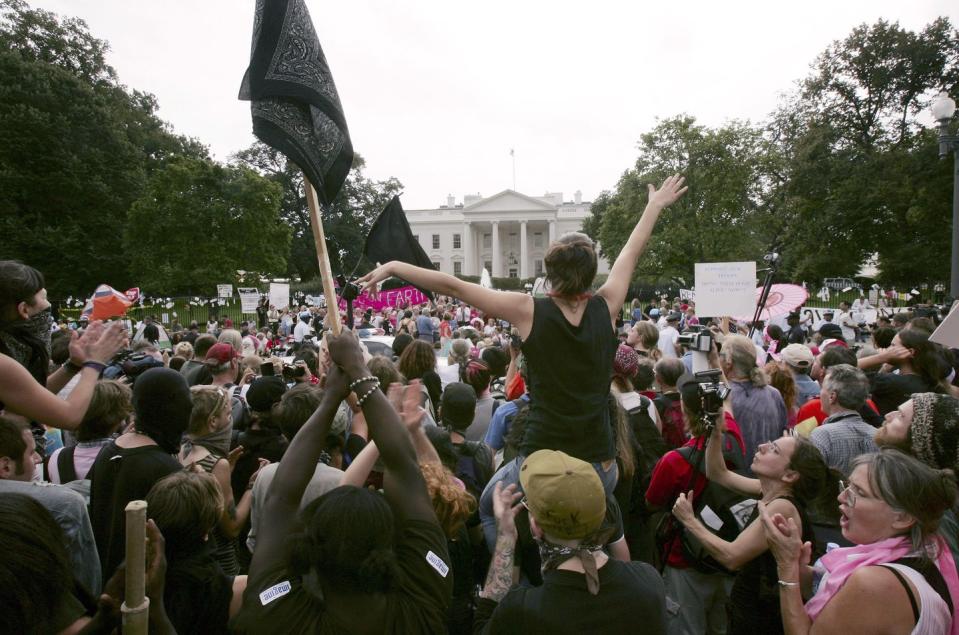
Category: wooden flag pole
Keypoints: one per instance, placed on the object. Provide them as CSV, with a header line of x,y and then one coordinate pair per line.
x,y
136,606
326,273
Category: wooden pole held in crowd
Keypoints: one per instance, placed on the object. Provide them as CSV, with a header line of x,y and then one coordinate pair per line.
x,y
136,606
326,273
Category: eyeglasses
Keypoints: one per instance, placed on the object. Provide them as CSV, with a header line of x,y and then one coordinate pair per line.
x,y
850,493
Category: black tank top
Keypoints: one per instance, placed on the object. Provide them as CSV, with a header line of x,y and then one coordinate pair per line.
x,y
754,600
569,372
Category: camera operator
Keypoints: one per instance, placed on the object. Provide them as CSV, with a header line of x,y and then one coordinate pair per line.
x,y
701,596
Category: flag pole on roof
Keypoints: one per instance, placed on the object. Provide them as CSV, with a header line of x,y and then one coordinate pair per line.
x,y
296,110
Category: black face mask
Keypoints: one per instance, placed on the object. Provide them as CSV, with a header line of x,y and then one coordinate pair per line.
x,y
28,342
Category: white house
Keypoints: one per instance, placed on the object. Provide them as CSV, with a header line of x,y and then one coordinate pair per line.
x,y
506,233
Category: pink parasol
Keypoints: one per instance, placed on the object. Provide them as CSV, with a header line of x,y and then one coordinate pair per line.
x,y
783,298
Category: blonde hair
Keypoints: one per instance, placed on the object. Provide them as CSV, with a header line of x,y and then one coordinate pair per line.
x,y
184,350
649,338
740,351
451,502
207,402
110,406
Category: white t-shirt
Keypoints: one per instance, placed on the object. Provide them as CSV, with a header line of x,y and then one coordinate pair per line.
x,y
301,330
667,342
847,323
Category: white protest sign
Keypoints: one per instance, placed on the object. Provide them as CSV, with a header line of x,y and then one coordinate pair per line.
x,y
280,295
687,294
725,288
224,290
947,333
249,298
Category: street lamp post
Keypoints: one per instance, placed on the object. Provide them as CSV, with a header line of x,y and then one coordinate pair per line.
x,y
943,108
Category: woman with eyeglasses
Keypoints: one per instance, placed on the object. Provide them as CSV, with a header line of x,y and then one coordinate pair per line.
x,y
791,477
899,578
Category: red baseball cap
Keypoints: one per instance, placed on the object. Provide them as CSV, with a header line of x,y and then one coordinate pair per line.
x,y
222,352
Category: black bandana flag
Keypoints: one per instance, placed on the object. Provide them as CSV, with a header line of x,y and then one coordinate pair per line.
x,y
391,238
295,106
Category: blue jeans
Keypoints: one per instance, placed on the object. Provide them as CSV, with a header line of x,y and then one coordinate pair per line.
x,y
509,475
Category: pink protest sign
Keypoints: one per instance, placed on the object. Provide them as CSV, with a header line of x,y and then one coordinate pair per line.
x,y
402,296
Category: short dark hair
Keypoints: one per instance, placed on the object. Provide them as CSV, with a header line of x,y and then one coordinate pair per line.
x,y
12,444
571,264
18,283
202,345
882,336
296,406
35,567
185,506
669,370
835,355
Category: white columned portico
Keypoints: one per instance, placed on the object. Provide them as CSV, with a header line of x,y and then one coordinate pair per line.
x,y
523,265
497,271
552,230
468,250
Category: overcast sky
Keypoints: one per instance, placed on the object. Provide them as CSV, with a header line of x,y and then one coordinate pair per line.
x,y
437,92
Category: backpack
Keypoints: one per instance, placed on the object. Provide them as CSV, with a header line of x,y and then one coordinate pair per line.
x,y
648,447
723,511
474,466
674,426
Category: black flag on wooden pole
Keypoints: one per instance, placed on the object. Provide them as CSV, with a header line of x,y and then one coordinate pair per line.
x,y
294,102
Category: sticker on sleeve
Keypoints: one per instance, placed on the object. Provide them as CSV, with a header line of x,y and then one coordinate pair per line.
x,y
437,563
276,591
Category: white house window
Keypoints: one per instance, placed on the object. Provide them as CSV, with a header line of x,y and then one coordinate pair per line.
x,y
436,241
457,267
537,239
538,267
487,241
456,241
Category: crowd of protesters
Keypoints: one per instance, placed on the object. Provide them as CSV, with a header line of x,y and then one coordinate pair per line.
x,y
508,464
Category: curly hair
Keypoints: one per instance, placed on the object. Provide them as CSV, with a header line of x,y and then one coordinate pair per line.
x,y
781,378
451,502
417,359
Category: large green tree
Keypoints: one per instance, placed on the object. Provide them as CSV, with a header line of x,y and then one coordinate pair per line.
x,y
724,216
77,150
346,223
199,222
860,172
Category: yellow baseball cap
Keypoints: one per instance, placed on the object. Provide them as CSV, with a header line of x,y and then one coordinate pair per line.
x,y
563,494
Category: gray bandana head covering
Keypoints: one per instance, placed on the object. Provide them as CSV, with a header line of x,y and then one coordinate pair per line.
x,y
935,430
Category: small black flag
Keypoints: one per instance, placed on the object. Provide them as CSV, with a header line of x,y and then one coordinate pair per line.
x,y
391,238
294,102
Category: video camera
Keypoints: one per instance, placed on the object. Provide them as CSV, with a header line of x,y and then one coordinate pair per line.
x,y
696,338
126,363
712,394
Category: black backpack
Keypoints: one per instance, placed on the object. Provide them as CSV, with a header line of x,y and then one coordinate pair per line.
x,y
723,511
474,466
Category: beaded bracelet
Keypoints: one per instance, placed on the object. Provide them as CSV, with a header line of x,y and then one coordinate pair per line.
x,y
369,392
359,381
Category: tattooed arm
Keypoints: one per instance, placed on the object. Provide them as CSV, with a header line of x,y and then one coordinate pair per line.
x,y
500,576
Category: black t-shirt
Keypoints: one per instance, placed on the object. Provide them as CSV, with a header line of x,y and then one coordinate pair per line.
x,y
631,599
276,602
197,593
890,390
118,476
570,369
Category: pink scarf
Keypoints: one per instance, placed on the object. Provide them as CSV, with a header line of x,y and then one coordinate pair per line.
x,y
842,563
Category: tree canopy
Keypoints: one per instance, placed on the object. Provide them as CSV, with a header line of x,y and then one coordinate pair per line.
x,y
842,171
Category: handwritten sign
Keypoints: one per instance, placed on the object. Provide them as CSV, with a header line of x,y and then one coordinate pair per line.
x,y
224,290
249,298
280,295
725,288
687,294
